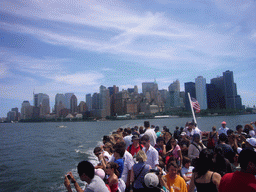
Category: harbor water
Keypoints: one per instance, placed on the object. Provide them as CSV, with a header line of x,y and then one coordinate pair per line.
x,y
36,156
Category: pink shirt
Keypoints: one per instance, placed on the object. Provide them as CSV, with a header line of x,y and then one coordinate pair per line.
x,y
175,152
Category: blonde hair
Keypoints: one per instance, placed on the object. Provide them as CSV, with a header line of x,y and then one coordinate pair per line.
x,y
141,156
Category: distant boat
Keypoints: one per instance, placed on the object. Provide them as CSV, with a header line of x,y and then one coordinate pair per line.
x,y
61,126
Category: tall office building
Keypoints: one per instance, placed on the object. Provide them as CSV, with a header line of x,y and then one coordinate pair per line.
x,y
218,82
150,91
174,96
201,96
26,110
104,101
73,105
212,97
60,102
67,99
42,101
233,100
189,88
112,92
89,101
16,110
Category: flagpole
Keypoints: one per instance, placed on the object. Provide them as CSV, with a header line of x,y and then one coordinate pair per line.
x,y
193,113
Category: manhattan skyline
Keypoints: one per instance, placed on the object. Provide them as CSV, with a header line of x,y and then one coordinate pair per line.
x,y
54,47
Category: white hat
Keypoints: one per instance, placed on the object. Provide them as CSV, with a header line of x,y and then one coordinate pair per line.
x,y
183,133
151,180
251,141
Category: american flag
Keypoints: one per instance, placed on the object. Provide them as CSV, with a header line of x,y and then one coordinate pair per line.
x,y
195,105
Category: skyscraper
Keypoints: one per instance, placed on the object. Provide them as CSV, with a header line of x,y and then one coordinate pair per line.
x,y
67,99
174,96
89,101
201,96
42,101
73,105
26,110
233,100
189,88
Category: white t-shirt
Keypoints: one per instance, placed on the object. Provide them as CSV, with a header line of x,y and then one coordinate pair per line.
x,y
187,172
128,141
152,136
223,130
152,156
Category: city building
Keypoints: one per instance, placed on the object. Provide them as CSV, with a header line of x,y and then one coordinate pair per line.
x,y
73,105
88,99
201,96
67,99
189,88
26,110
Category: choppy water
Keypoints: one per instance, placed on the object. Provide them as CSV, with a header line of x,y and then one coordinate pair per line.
x,y
36,156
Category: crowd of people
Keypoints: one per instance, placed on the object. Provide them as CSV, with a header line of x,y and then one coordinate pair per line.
x,y
147,159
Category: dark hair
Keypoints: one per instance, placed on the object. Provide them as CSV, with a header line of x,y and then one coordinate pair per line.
x,y
159,139
230,131
145,138
246,156
146,124
120,148
114,166
85,167
128,131
106,138
223,137
156,129
141,130
204,163
239,127
185,160
96,150
172,163
220,164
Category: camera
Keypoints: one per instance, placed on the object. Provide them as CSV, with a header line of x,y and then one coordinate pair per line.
x,y
69,177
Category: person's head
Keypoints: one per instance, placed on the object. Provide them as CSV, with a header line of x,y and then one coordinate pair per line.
x,y
129,131
186,162
239,128
135,139
183,135
145,140
223,137
223,124
141,156
160,141
230,132
177,128
97,151
156,129
247,160
105,139
167,136
251,143
191,125
213,128
146,124
85,171
174,141
141,130
112,168
181,129
119,150
108,147
205,162
172,169
118,138
196,138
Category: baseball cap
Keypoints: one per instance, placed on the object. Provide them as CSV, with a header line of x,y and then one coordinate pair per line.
x,y
223,122
100,173
251,141
151,180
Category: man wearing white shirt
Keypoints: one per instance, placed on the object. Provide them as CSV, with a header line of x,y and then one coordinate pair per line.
x,y
128,138
151,152
150,132
223,128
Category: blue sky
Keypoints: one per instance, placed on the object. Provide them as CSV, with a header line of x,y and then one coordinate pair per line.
x,y
57,46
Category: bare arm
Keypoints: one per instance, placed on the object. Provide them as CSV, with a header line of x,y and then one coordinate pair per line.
x,y
192,183
68,186
216,179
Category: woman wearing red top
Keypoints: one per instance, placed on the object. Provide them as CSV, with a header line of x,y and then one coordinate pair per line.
x,y
111,170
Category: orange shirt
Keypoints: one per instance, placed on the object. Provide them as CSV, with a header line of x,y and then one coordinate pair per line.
x,y
176,185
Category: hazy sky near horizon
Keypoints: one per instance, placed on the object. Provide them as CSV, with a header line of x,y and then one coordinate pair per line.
x,y
55,46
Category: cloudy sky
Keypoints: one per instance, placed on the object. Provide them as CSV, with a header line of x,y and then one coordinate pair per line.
x,y
75,46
